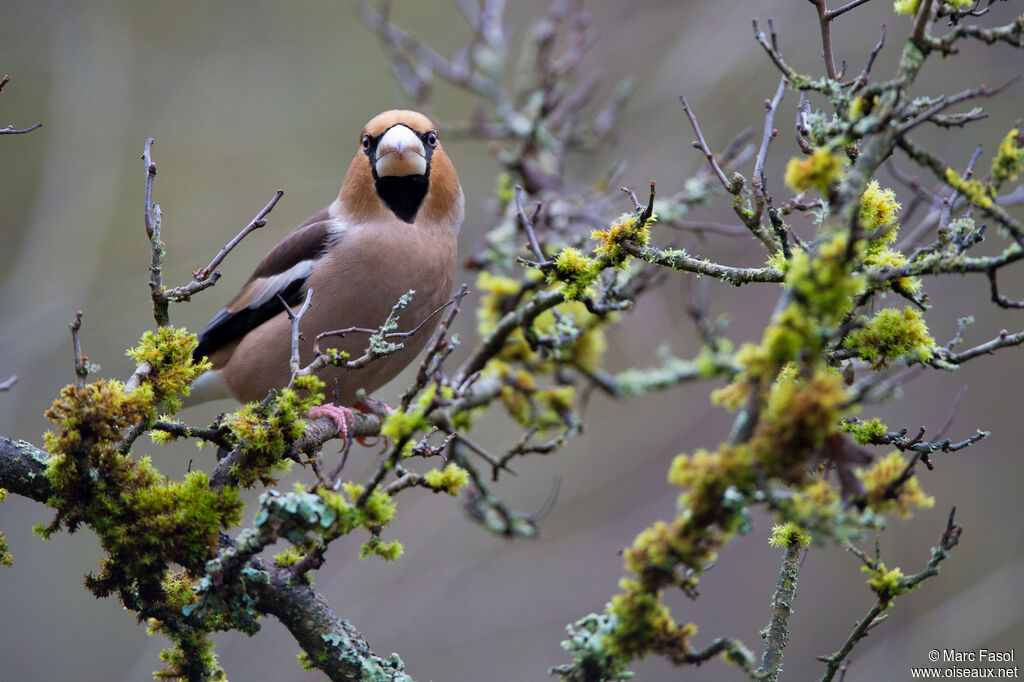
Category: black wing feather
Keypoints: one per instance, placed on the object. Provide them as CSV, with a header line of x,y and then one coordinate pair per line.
x,y
308,240
227,326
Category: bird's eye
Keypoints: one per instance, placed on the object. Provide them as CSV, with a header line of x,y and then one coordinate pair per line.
x,y
432,138
366,142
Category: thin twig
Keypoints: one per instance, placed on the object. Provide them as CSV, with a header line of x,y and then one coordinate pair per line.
x,y
140,375
772,105
340,333
950,201
81,361
950,538
944,102
833,13
862,78
11,130
259,221
147,161
924,18
296,320
825,25
800,126
1003,340
700,144
528,225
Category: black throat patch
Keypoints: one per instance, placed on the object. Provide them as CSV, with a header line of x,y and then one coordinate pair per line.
x,y
404,195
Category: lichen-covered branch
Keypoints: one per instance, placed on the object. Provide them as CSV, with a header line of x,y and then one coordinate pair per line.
x,y
777,634
23,469
330,643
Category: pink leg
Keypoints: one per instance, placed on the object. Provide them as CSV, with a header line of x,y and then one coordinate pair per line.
x,y
373,406
377,407
340,415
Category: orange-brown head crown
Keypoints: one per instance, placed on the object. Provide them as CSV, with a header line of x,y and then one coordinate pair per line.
x,y
401,168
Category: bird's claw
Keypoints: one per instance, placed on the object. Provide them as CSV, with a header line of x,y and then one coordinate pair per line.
x,y
373,406
340,415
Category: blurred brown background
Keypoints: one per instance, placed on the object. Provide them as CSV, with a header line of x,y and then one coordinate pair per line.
x,y
244,98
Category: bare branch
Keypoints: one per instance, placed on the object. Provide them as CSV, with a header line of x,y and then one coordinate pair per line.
x,y
296,319
147,161
387,335
946,102
1011,34
772,105
528,226
259,221
1003,340
81,361
703,146
825,25
862,78
11,130
950,201
832,14
800,126
921,23
950,538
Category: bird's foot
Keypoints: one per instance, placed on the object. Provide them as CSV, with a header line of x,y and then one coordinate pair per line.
x,y
340,415
373,406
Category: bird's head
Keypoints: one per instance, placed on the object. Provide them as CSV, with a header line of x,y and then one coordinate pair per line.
x,y
401,168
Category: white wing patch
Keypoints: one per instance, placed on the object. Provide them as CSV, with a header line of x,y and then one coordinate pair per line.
x,y
265,288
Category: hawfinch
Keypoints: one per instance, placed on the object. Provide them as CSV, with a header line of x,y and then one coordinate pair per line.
x,y
392,228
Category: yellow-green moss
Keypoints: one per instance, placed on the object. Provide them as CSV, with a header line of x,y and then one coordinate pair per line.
x,y
822,169
643,624
707,475
5,552
892,335
799,414
200,664
388,551
448,480
626,228
1008,162
878,481
973,190
886,583
168,350
864,432
825,284
878,209
907,7
497,293
143,520
288,557
576,272
910,7
879,256
264,431
789,534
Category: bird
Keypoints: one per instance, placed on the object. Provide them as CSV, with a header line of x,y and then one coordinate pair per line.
x,y
392,228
